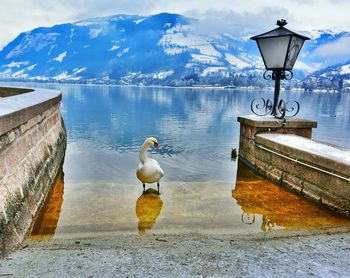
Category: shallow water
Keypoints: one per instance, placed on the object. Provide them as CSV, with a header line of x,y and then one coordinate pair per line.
x,y
252,205
196,130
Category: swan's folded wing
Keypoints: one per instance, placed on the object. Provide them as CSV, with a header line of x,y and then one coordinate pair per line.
x,y
150,171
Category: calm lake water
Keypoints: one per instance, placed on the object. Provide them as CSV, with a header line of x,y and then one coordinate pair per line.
x,y
98,191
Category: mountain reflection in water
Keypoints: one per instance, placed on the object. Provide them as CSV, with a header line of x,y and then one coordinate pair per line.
x,y
278,207
148,207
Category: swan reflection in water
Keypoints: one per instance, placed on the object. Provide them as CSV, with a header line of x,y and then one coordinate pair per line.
x,y
277,207
148,207
46,223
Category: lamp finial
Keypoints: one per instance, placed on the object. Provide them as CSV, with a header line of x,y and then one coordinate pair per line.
x,y
281,22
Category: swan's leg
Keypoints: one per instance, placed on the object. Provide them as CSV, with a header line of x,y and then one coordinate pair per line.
x,y
144,188
158,187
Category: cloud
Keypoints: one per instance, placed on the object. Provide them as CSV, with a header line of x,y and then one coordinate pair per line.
x,y
93,8
246,24
337,49
17,16
232,16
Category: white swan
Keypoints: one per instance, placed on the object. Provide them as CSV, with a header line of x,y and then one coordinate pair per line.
x,y
149,170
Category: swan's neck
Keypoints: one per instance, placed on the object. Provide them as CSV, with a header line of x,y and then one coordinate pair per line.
x,y
143,152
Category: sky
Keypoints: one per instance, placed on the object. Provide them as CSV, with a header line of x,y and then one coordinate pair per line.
x,y
238,17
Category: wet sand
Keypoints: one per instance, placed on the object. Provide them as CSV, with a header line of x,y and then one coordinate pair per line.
x,y
325,253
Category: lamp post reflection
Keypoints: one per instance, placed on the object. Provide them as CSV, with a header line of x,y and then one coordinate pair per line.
x,y
267,224
148,207
248,218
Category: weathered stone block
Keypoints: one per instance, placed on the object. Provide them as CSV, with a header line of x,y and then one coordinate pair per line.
x,y
11,159
247,145
250,157
311,175
3,167
291,182
274,174
262,166
262,155
337,203
247,131
282,163
312,191
339,187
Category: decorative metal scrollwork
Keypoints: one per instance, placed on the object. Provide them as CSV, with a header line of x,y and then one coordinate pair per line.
x,y
287,75
292,108
267,75
284,75
248,218
277,108
262,107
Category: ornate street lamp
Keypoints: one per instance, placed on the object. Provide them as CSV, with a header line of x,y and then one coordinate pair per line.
x,y
279,49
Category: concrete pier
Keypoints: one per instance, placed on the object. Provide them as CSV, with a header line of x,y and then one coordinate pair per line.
x,y
284,152
32,147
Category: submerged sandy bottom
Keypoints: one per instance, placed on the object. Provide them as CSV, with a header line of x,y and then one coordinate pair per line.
x,y
252,205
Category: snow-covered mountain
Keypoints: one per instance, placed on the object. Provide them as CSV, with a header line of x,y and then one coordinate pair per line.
x,y
129,49
336,77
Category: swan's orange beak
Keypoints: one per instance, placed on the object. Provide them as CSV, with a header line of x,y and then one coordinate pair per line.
x,y
156,146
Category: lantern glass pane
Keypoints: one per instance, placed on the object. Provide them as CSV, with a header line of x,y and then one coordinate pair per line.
x,y
274,51
293,52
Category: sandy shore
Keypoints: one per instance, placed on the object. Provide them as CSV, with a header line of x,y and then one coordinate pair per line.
x,y
280,254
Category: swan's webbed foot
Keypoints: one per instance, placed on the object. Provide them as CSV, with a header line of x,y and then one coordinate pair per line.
x,y
158,187
144,189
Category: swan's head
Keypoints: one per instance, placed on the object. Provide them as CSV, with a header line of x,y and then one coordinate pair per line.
x,y
151,141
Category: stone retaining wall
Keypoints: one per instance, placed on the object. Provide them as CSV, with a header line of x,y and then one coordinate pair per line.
x,y
252,125
316,170
32,148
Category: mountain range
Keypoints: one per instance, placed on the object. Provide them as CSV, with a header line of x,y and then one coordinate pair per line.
x,y
161,49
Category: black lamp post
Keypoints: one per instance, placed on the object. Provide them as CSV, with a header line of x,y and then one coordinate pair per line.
x,y
279,49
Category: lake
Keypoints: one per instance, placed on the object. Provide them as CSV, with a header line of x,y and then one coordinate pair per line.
x,y
98,192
